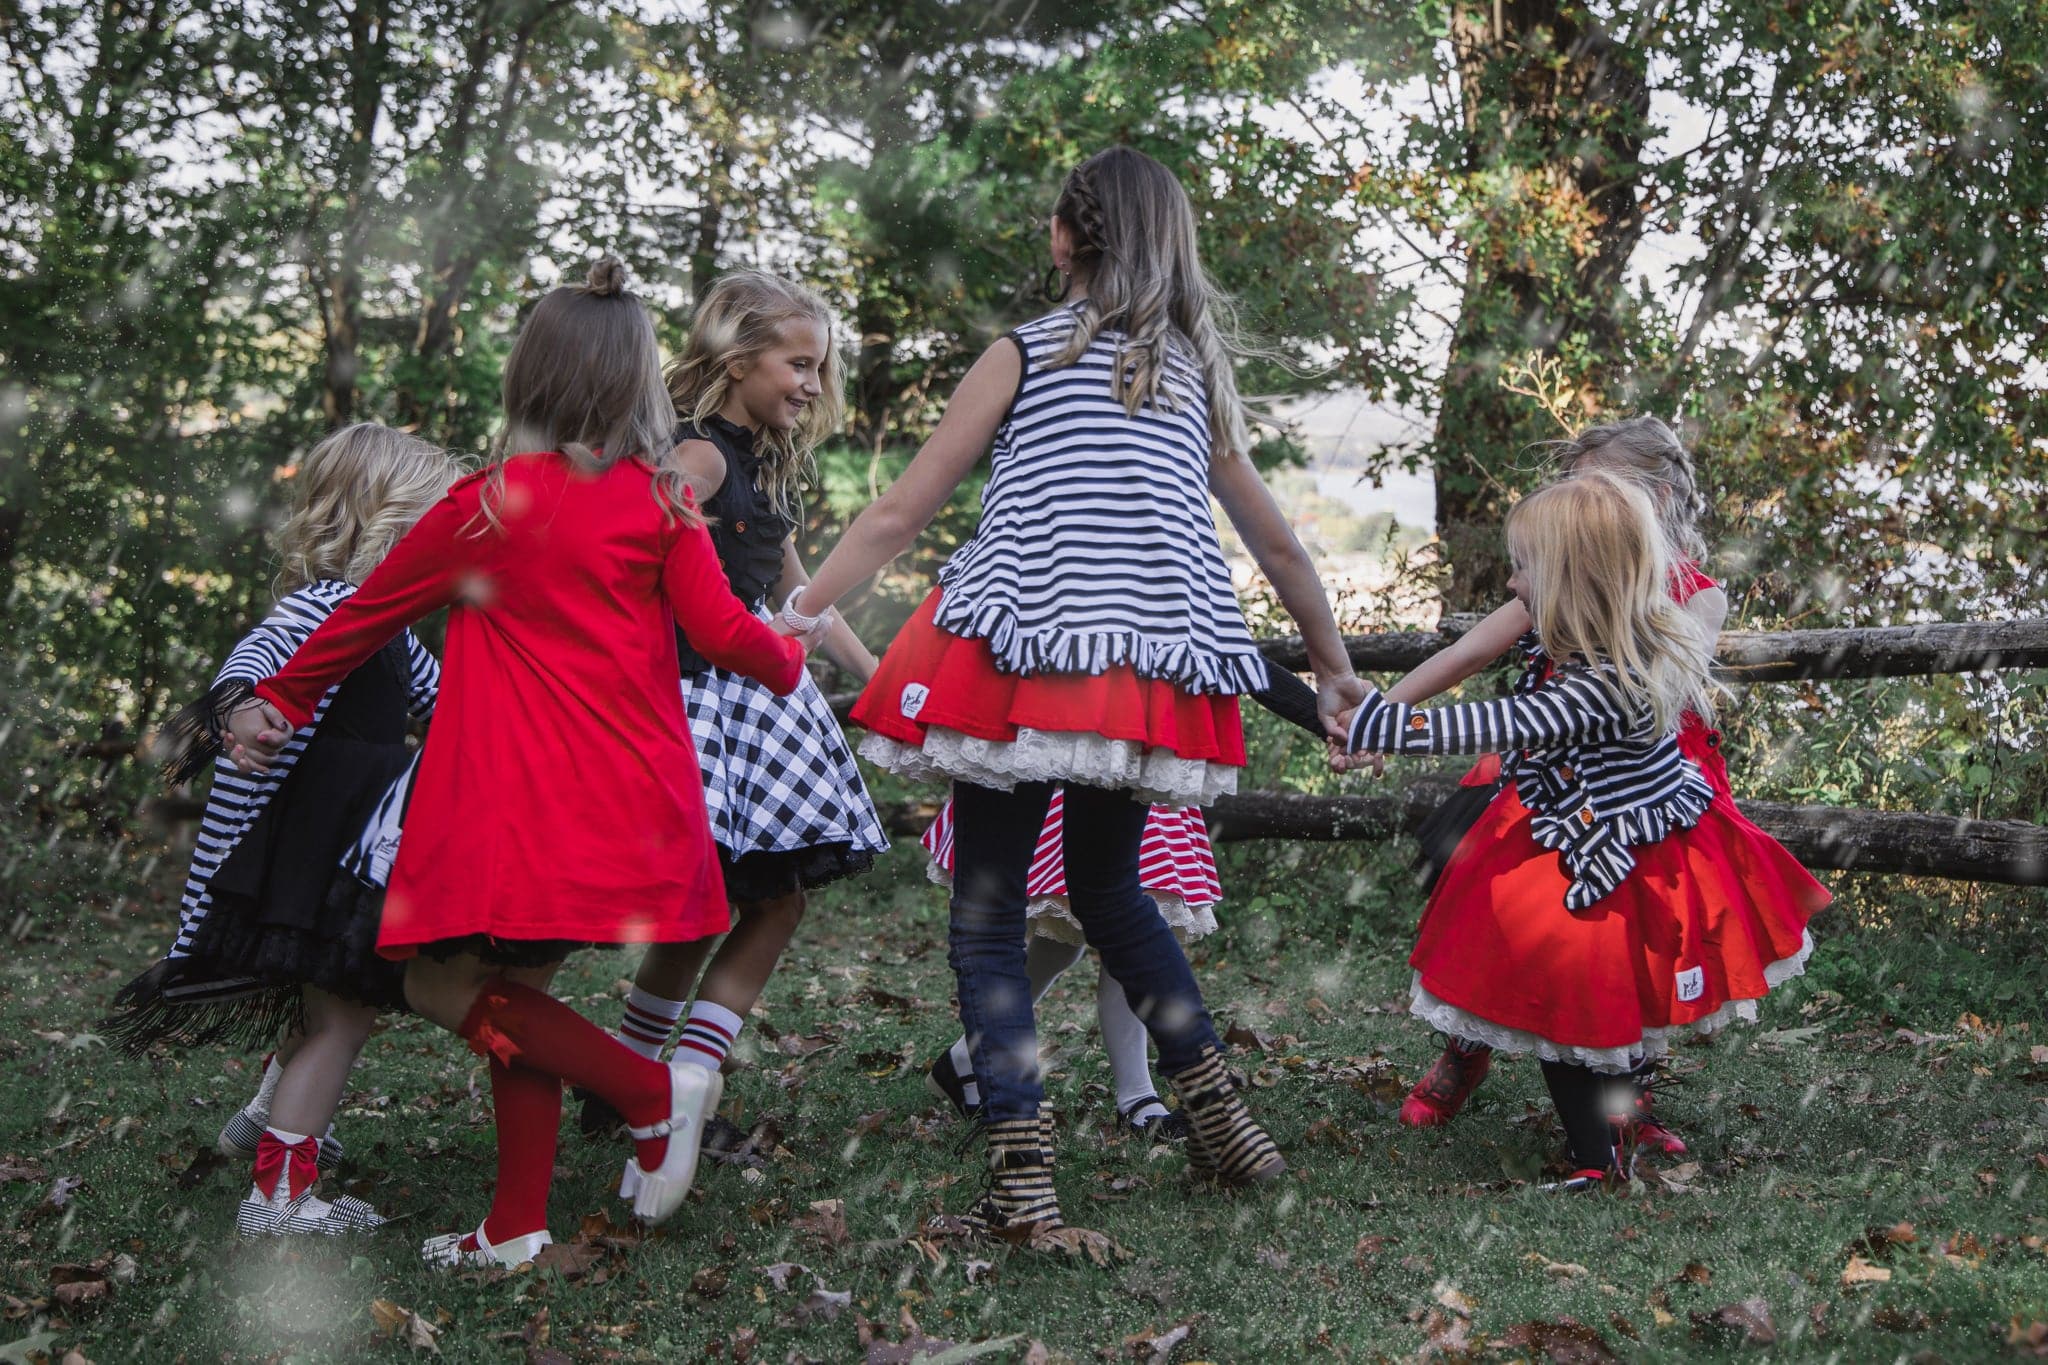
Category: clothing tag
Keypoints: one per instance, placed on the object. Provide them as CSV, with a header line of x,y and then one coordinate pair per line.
x,y
1692,983
913,700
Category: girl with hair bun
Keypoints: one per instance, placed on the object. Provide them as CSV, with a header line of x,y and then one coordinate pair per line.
x,y
1086,638
557,803
1605,900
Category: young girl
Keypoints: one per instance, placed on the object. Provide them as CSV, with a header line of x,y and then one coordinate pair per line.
x,y
1604,900
557,803
1640,448
259,945
1086,636
1176,868
756,388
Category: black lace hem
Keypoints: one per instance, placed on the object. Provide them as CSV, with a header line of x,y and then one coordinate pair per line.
x,y
771,873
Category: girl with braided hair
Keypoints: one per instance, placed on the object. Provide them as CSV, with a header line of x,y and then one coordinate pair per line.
x,y
1085,639
1646,452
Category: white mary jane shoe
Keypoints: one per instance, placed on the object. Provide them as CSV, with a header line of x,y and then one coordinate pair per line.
x,y
694,1092
446,1251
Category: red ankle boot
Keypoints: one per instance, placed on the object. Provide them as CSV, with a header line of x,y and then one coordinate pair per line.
x,y
1439,1095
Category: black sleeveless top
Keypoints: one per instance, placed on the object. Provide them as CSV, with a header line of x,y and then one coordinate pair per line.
x,y
745,528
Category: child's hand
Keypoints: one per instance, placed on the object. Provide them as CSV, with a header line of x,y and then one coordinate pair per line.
x,y
1336,699
257,734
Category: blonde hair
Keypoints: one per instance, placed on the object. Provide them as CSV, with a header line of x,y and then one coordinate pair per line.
x,y
354,496
1647,450
584,378
739,318
1599,570
1134,242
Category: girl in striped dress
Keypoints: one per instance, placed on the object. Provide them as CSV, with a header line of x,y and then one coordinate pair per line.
x,y
264,940
1086,638
1604,900
1176,868
1647,451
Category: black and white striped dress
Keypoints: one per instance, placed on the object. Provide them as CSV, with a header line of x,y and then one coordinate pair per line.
x,y
255,922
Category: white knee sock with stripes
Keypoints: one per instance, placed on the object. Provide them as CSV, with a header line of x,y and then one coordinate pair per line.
x,y
708,1034
649,1020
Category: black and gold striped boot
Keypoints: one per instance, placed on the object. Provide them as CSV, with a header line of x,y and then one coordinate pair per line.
x,y
1019,1200
1224,1144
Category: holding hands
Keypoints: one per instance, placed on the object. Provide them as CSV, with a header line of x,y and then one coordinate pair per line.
x,y
257,734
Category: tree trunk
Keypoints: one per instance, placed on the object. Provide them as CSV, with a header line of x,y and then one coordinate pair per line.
x,y
1549,98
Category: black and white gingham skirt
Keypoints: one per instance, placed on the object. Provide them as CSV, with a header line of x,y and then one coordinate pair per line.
x,y
788,809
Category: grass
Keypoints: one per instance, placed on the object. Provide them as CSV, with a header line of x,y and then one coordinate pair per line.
x,y
1889,1108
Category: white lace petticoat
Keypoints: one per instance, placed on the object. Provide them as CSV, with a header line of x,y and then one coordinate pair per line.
x,y
1148,774
1447,1018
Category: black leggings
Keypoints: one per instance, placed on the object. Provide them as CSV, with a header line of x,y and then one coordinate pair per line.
x,y
1587,1101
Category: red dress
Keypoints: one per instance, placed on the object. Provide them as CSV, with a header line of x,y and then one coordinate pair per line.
x,y
1498,958
558,796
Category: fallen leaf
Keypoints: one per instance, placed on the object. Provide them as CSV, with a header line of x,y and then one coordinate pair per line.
x,y
1368,1248
28,1349
2031,1340
1237,1035
826,1221
1679,1179
403,1325
1271,1259
1564,1270
572,1260
1155,1346
1449,1334
781,1272
824,1305
977,1271
1748,1321
74,1356
1860,1271
1660,1317
1567,1341
1694,1273
1449,1297
2038,1054
709,1282
12,1171
1892,1319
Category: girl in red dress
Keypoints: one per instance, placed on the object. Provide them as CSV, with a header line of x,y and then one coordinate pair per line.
x,y
1087,637
557,803
1605,899
1647,450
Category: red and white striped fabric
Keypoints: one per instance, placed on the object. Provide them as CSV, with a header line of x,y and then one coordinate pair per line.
x,y
1176,866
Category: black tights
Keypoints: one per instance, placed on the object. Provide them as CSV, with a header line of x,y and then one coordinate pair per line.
x,y
1585,1100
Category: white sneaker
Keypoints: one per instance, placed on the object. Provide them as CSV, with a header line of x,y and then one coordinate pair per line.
x,y
446,1252
306,1216
694,1092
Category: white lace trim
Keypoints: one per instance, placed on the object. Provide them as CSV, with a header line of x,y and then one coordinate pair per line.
x,y
1447,1018
1050,916
1148,774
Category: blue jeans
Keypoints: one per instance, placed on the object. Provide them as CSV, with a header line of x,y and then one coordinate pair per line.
x,y
994,836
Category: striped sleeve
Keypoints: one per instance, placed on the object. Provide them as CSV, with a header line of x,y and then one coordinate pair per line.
x,y
423,684
266,649
1577,707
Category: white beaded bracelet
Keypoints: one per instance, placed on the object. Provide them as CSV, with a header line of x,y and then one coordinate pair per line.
x,y
796,620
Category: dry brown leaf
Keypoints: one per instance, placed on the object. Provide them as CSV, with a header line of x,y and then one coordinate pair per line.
x,y
1564,1270
1073,1241
1449,1297
1694,1273
709,1282
1566,1341
2030,1340
780,1273
1748,1321
1860,1271
403,1325
1156,1346
826,1221
1368,1248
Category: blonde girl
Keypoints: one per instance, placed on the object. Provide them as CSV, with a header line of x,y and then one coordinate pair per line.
x,y
757,386
557,804
1646,450
1085,638
1604,900
266,939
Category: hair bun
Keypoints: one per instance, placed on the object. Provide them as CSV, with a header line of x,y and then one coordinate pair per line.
x,y
607,277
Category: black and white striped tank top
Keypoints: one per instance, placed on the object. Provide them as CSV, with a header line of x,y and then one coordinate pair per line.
x,y
1097,546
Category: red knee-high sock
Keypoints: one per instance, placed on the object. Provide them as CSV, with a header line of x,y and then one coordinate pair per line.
x,y
525,1028
527,1106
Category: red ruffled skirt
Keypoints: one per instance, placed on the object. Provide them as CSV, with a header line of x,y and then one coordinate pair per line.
x,y
1708,922
943,708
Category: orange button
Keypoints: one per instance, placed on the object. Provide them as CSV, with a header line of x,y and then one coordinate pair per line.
x,y
1586,815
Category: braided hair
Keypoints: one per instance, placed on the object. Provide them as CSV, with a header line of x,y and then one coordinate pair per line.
x,y
1648,451
1134,244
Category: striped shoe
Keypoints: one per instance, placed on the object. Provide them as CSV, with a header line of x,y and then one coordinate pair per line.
x,y
1018,1199
1224,1144
474,1251
243,1132
308,1215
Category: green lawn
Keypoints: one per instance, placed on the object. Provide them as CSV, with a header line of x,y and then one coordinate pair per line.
x,y
1866,1129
